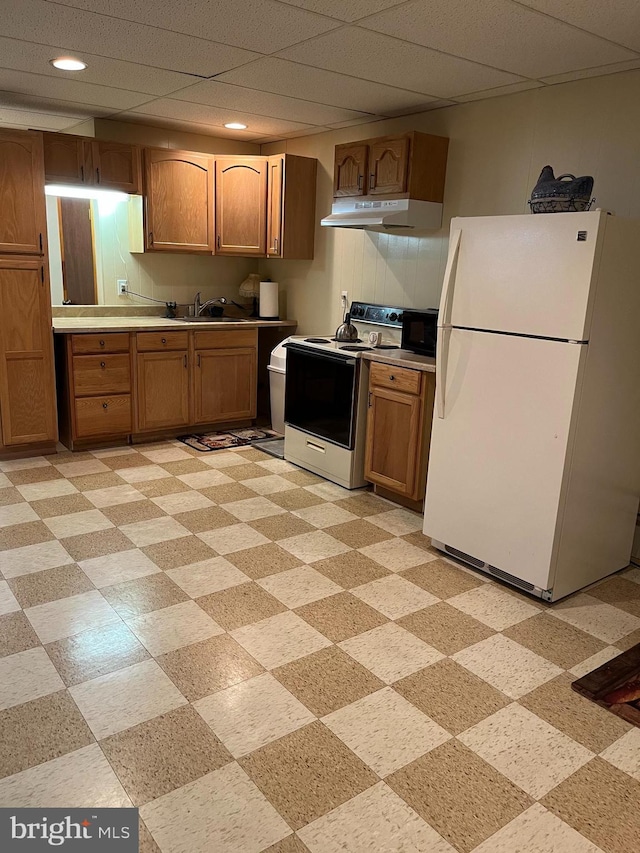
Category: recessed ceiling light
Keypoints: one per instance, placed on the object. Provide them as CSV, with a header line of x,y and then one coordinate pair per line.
x,y
235,125
67,63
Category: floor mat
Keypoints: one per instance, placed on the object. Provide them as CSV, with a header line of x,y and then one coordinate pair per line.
x,y
615,685
207,442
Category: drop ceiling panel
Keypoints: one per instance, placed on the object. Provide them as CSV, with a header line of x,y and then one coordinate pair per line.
x,y
79,112
618,20
25,56
189,126
378,57
34,120
78,31
69,90
271,74
265,26
345,11
217,116
599,71
234,98
501,90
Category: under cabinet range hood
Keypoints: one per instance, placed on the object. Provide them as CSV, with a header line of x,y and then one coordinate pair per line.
x,y
401,215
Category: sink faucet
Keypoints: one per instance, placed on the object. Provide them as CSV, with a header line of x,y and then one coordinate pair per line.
x,y
199,307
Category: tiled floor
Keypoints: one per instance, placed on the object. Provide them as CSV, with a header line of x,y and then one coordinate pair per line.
x,y
262,661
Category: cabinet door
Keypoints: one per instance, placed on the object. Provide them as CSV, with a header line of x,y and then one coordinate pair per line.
x,y
179,201
349,170
27,385
388,161
393,439
163,390
225,385
116,166
22,207
274,207
64,159
241,206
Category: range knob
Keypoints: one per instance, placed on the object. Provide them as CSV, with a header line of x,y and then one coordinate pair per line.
x,y
393,316
358,311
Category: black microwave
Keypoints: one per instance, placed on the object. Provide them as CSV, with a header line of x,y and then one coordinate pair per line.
x,y
419,330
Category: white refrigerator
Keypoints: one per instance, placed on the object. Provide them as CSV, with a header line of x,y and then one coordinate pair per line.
x,y
534,466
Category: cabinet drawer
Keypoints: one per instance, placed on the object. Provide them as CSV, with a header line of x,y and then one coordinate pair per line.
x,y
227,339
399,378
158,341
101,374
103,416
109,342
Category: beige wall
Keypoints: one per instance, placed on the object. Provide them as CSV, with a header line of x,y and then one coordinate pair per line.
x,y
162,137
497,150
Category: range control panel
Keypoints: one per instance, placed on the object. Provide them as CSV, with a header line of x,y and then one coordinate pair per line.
x,y
378,315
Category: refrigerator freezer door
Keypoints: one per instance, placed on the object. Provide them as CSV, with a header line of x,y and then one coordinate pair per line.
x,y
498,457
528,275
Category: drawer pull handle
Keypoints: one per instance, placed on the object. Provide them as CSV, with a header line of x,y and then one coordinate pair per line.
x,y
164,340
102,365
104,405
101,343
317,447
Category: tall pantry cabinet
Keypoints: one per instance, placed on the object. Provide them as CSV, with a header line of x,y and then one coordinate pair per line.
x,y
27,383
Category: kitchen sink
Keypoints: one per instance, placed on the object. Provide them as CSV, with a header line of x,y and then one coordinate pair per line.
x,y
213,319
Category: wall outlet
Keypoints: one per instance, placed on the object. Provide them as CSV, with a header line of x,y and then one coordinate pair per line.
x,y
122,286
344,299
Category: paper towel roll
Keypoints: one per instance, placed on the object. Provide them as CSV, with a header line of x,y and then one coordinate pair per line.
x,y
269,309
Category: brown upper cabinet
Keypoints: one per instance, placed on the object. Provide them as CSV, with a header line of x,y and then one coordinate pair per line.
x,y
23,222
179,201
241,191
410,165
78,160
291,204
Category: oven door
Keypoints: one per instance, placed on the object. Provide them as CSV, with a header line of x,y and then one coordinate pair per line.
x,y
320,394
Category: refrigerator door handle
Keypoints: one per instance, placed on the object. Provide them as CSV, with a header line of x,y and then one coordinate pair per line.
x,y
442,357
446,300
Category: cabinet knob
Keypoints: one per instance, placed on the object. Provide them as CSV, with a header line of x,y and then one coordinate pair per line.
x,y
104,405
391,377
218,241
101,343
102,365
164,340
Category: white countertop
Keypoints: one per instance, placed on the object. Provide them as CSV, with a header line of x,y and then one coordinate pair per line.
x,y
402,358
65,325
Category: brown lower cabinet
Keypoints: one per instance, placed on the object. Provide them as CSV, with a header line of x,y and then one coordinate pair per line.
x,y
399,429
225,385
162,398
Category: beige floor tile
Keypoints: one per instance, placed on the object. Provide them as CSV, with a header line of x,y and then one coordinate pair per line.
x,y
252,508
182,502
49,585
375,820
63,505
600,802
92,482
16,634
317,773
296,499
142,473
236,537
397,554
107,452
165,753
81,469
240,605
229,459
589,724
207,576
80,779
537,831
67,616
194,465
595,661
242,822
23,464
385,730
350,569
341,616
8,601
95,652
507,666
279,639
624,753
264,560
46,490
5,482
310,547
89,545
555,640
208,666
302,478
38,731
166,454
208,518
325,515
116,568
399,522
162,631
299,586
153,530
267,484
451,695
493,606
133,512
327,680
527,750
23,535
34,475
459,795
394,596
226,493
27,675
8,493
364,504
114,496
246,471
167,486
119,461
253,713
175,553
629,640
619,592
447,629
16,514
34,558
278,466
126,697
358,534
441,578
281,526
328,491
290,844
390,652
204,479
596,617
146,844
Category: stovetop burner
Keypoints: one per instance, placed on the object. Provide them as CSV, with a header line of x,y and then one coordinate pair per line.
x,y
355,341
317,340
355,348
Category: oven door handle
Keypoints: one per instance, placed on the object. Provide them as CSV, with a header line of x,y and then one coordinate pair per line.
x,y
331,355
